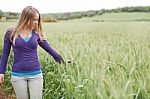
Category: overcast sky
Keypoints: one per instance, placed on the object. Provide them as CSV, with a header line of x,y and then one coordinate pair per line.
x,y
55,6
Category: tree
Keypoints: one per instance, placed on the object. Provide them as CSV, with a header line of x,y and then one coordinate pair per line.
x,y
1,13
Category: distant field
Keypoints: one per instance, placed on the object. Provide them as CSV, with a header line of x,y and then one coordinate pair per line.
x,y
112,57
118,17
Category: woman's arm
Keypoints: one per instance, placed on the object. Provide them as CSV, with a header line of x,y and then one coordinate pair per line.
x,y
44,44
6,50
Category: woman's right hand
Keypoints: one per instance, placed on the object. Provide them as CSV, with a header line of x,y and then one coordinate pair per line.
x,y
1,79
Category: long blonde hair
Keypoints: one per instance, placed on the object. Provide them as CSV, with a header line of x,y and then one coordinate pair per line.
x,y
26,17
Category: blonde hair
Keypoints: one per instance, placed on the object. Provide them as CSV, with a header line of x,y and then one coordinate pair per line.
x,y
26,17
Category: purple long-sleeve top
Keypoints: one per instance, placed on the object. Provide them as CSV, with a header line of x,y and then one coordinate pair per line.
x,y
25,53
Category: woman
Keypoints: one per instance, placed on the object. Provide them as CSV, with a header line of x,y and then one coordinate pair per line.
x,y
27,78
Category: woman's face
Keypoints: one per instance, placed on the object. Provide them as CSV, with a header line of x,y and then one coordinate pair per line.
x,y
35,21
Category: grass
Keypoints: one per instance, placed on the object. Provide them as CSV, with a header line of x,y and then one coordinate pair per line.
x,y
111,60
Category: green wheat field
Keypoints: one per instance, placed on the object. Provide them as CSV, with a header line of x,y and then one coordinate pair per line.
x,y
111,55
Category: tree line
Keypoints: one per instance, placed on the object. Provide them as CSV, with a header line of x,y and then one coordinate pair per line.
x,y
53,17
90,13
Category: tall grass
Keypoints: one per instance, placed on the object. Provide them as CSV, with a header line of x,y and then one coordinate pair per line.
x,y
112,60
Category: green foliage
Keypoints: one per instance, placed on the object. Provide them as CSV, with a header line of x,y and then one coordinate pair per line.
x,y
53,17
111,58
135,9
49,19
91,13
12,15
1,13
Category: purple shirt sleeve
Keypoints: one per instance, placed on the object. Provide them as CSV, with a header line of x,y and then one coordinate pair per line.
x,y
44,44
5,53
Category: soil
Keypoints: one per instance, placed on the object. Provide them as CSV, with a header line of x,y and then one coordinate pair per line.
x,y
7,96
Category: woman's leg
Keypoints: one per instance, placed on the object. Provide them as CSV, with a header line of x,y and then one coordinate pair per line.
x,y
20,86
35,84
